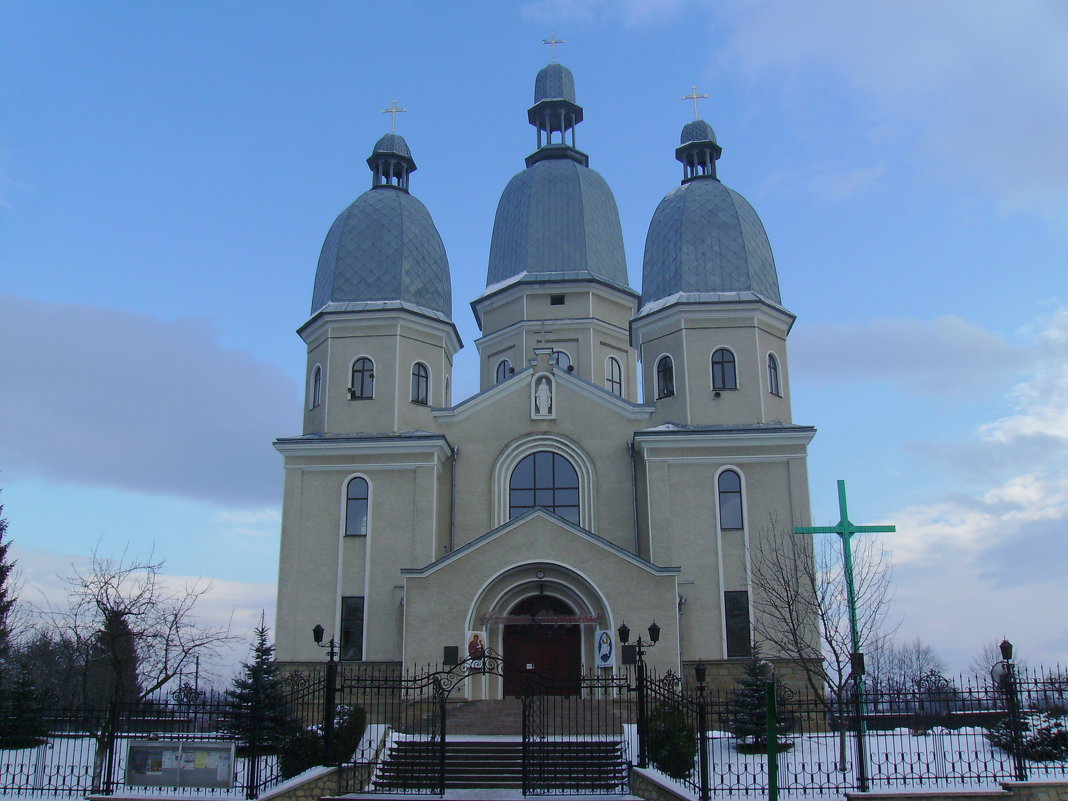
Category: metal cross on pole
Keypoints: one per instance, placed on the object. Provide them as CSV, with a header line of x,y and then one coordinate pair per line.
x,y
845,530
394,111
553,42
695,97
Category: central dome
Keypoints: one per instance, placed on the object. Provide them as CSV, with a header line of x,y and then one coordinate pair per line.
x,y
557,220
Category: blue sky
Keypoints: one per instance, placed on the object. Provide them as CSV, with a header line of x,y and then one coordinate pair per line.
x,y
168,172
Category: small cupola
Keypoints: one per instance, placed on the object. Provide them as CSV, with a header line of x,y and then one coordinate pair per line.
x,y
555,115
391,162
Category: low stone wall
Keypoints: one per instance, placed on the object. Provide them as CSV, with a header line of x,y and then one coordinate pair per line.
x,y
308,786
645,786
1011,791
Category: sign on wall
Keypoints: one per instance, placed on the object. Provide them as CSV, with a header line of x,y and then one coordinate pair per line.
x,y
155,763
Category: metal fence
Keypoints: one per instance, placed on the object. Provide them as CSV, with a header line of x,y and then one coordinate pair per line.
x,y
933,732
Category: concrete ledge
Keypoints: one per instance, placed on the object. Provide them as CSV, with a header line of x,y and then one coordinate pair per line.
x,y
644,785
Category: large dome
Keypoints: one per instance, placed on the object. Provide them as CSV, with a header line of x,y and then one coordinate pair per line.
x,y
705,242
384,251
384,248
557,220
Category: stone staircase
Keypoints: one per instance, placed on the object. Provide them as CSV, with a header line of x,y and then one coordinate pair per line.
x,y
484,751
592,766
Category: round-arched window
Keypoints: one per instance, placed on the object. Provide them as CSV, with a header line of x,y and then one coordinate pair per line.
x,y
547,480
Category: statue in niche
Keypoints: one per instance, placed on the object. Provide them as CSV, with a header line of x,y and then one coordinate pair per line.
x,y
543,396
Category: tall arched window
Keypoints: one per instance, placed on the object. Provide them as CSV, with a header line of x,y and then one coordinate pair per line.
x,y
730,500
356,500
544,479
560,359
613,376
724,376
420,383
665,378
317,387
503,370
773,375
363,379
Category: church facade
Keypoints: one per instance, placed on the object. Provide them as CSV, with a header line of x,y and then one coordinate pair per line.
x,y
626,456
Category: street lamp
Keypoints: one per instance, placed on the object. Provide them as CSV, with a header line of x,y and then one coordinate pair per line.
x,y
1004,675
640,647
329,704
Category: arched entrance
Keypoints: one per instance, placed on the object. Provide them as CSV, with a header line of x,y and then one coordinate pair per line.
x,y
541,637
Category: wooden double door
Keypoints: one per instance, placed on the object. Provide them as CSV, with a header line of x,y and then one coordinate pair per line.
x,y
544,656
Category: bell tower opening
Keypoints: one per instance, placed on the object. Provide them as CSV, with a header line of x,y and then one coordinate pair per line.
x,y
547,649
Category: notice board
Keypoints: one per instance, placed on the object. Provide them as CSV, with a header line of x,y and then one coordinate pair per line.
x,y
176,763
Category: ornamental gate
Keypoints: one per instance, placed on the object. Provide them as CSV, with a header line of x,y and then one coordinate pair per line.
x,y
569,741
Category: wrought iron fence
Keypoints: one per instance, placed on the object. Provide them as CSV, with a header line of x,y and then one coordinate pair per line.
x,y
930,732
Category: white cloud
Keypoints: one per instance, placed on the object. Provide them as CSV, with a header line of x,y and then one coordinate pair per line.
x,y
831,182
940,356
103,397
978,82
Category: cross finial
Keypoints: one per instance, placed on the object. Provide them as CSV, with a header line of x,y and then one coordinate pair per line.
x,y
695,97
553,42
394,111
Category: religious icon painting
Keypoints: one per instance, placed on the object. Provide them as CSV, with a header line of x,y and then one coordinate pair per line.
x,y
606,649
476,650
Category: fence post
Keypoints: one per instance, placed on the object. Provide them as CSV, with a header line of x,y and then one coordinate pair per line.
x,y
1019,765
643,716
773,738
253,757
702,740
861,731
109,745
329,709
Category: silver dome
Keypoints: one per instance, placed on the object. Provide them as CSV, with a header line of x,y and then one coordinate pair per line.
x,y
557,220
706,240
384,250
554,82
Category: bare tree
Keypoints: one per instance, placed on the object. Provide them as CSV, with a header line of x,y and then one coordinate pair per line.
x,y
132,633
802,610
898,667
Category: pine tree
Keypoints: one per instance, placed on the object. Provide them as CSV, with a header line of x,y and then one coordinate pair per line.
x,y
7,594
22,721
257,712
748,711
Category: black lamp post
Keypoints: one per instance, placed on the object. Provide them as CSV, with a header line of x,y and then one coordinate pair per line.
x,y
640,647
329,703
1004,674
700,672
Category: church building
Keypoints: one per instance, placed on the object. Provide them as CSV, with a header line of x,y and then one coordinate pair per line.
x,y
627,454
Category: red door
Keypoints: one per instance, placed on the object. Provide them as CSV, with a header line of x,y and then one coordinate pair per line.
x,y
548,654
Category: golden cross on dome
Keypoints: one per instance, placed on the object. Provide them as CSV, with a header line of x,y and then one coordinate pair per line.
x,y
394,111
694,97
553,41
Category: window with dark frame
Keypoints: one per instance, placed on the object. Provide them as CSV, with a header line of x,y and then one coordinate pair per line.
x,y
614,376
736,623
352,629
556,300
724,374
356,507
773,375
503,370
665,378
730,500
420,383
560,359
363,379
547,480
317,386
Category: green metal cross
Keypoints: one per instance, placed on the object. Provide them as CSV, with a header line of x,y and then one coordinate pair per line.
x,y
846,529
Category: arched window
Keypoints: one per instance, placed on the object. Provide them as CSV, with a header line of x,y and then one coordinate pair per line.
x,y
773,375
724,376
317,387
504,368
665,378
544,479
356,500
363,379
613,376
560,359
448,391
420,383
730,500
